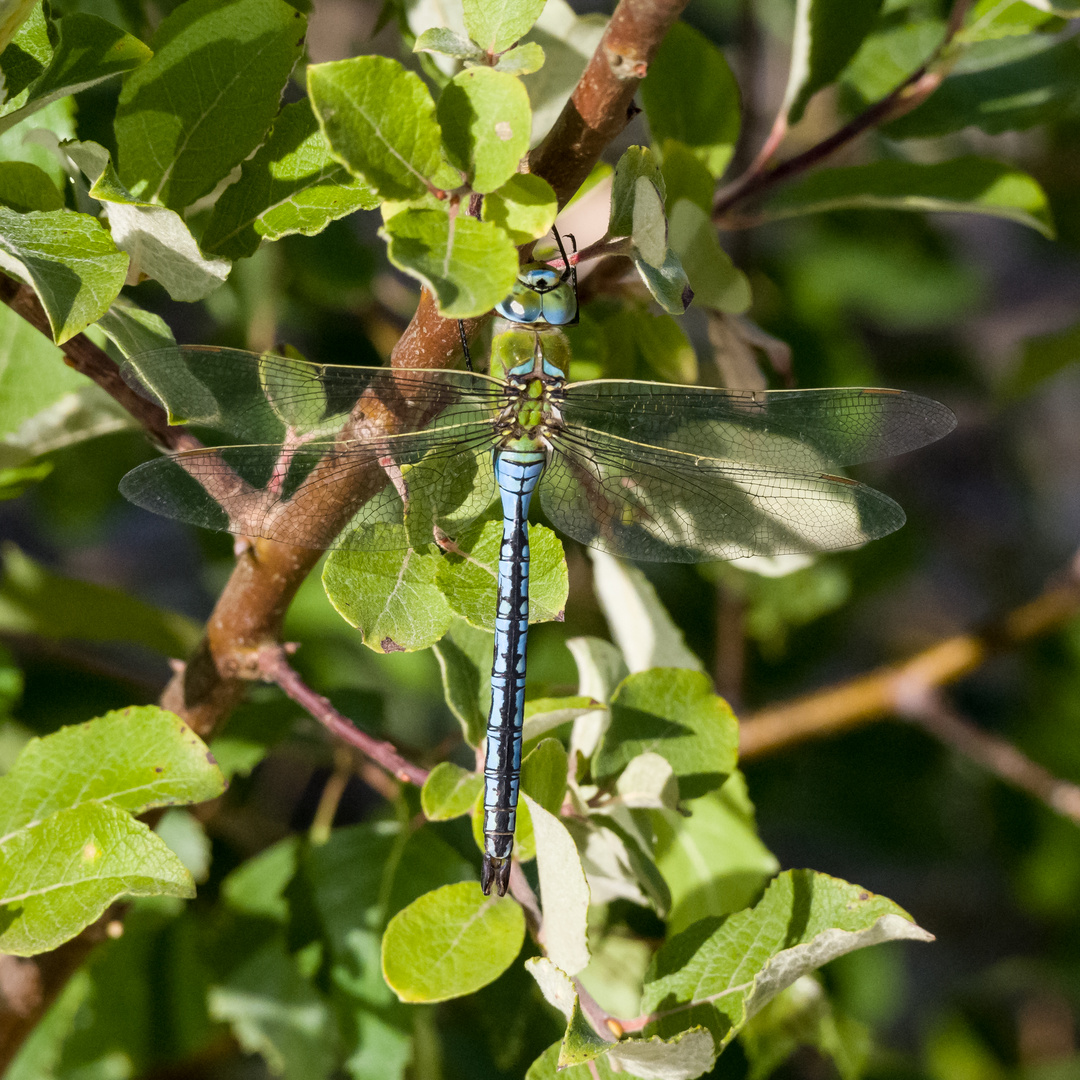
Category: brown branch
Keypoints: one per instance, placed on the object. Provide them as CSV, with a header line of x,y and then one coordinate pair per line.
x,y
883,692
913,91
598,109
927,708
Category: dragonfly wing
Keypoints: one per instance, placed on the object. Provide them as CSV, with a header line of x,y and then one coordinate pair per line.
x,y
806,430
261,398
388,495
643,502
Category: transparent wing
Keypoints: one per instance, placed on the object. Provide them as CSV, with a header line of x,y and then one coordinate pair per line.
x,y
807,430
356,457
321,495
261,398
643,502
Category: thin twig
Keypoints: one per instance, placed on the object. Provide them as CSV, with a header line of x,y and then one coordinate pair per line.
x,y
880,693
913,91
926,707
272,666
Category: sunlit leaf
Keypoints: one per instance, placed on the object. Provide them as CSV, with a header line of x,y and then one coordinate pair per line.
x,y
451,942
69,844
206,99
69,259
292,185
469,265
486,121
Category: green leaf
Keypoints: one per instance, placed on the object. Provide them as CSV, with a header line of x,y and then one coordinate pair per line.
x,y
68,845
257,887
523,60
543,774
966,185
564,893
496,24
390,597
379,121
721,979
25,187
989,20
206,99
661,343
156,239
464,656
524,207
89,51
544,714
827,35
274,1011
637,163
649,229
469,584
486,123
59,875
451,942
449,791
712,860
439,39
187,840
36,601
21,144
69,259
133,330
1035,89
292,185
469,265
674,713
44,404
685,177
668,283
26,56
716,281
13,13
691,95
601,668
639,622
889,56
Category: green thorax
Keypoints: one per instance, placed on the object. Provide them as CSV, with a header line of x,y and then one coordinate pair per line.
x,y
531,362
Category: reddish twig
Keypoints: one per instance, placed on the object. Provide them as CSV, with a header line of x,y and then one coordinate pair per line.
x,y
913,91
926,707
272,666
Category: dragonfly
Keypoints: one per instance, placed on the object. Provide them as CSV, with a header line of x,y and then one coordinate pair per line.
x,y
377,459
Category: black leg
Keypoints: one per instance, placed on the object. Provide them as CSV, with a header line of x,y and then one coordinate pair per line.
x,y
464,345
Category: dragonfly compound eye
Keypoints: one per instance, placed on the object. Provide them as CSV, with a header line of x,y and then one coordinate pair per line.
x,y
560,305
523,305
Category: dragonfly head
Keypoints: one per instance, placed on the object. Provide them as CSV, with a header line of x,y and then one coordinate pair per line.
x,y
540,295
